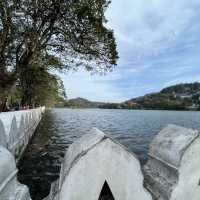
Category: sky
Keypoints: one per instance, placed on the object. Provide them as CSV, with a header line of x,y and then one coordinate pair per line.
x,y
158,43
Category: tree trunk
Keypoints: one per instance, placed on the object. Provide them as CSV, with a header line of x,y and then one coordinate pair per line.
x,y
7,81
25,78
3,104
26,86
26,98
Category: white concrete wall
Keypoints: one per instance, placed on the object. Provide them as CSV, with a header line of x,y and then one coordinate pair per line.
x,y
10,188
94,159
3,140
171,173
188,186
173,169
16,129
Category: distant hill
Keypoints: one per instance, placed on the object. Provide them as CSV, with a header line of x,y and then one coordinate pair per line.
x,y
186,88
82,103
177,97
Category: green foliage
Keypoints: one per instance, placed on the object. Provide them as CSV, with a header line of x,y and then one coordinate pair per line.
x,y
82,103
110,106
186,88
42,87
177,97
36,36
50,91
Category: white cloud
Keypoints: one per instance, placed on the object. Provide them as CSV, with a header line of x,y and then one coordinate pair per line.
x,y
92,87
159,44
185,79
148,27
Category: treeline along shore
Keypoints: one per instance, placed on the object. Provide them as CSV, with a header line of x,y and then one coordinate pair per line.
x,y
177,97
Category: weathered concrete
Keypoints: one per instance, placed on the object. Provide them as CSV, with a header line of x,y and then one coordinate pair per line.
x,y
10,188
172,171
16,129
2,135
94,159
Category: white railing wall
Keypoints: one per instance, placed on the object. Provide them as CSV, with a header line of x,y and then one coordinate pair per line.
x,y
171,173
10,188
16,129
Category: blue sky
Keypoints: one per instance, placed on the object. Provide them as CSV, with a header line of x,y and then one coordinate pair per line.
x,y
158,43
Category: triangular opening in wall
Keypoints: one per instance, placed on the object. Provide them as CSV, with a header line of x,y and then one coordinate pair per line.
x,y
106,193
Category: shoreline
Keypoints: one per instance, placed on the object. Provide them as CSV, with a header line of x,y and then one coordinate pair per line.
x,y
146,109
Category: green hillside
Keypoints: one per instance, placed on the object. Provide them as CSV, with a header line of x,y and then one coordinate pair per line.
x,y
177,97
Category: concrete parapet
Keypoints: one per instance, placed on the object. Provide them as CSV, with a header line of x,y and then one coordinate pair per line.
x,y
172,171
10,188
96,164
3,140
16,129
96,161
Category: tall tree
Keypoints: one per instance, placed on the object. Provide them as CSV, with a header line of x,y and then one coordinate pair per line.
x,y
46,89
7,44
70,32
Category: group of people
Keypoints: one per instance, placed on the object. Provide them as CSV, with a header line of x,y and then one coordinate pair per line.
x,y
6,107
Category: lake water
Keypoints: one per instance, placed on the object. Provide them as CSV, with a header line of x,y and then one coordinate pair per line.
x,y
135,129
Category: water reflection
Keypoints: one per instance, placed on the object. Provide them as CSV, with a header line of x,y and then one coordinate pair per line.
x,y
40,164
